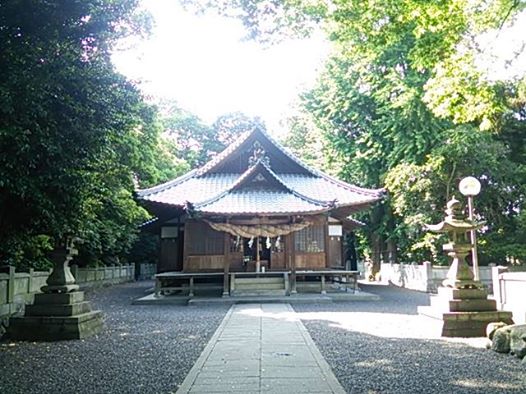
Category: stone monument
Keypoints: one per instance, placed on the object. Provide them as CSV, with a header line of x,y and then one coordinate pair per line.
x,y
59,312
462,303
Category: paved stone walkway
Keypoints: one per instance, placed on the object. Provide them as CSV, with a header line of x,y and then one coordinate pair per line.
x,y
261,348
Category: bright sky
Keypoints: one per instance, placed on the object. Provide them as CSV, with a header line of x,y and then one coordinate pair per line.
x,y
202,63
503,51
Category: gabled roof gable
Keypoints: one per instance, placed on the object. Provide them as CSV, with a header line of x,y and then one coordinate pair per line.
x,y
261,173
235,158
256,174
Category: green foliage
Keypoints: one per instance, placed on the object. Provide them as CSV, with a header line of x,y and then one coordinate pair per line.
x,y
402,103
29,252
73,132
145,249
194,142
420,192
305,140
267,21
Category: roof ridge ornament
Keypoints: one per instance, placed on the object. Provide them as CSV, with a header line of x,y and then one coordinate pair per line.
x,y
259,155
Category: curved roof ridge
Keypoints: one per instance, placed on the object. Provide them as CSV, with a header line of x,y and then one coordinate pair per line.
x,y
165,185
357,189
226,152
251,171
227,190
286,152
314,171
296,193
241,139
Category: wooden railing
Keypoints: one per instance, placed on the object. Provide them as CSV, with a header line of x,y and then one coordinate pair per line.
x,y
335,275
185,282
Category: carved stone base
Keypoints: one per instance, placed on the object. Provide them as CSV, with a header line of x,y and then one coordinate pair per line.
x,y
464,312
60,289
56,316
462,284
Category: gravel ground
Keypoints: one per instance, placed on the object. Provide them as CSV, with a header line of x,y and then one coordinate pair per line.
x,y
373,347
385,347
143,349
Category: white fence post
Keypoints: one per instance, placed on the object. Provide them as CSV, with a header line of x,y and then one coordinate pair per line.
x,y
11,285
497,285
428,276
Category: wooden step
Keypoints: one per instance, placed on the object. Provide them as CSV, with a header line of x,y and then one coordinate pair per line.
x,y
260,286
256,293
259,280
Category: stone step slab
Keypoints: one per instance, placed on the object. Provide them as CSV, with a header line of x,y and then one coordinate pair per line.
x,y
54,328
253,293
58,309
466,305
465,324
461,294
59,298
239,280
260,286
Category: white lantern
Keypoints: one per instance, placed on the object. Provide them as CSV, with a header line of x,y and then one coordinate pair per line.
x,y
469,186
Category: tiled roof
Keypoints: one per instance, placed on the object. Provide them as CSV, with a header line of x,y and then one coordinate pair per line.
x,y
191,189
260,202
210,191
325,189
272,181
204,190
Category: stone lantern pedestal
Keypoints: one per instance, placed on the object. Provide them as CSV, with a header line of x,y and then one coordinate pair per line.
x,y
59,312
464,312
462,302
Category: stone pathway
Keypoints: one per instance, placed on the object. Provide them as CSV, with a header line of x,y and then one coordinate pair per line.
x,y
261,348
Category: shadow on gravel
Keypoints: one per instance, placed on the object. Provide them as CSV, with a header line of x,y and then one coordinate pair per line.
x,y
384,347
142,349
366,363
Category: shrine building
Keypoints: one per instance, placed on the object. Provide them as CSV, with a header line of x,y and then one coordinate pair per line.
x,y
253,208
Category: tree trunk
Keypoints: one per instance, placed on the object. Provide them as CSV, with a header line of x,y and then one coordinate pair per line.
x,y
392,256
377,244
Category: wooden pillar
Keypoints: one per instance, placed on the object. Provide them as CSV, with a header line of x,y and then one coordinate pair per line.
x,y
292,263
191,287
226,266
157,287
323,291
342,255
232,283
258,262
186,241
11,285
326,235
159,254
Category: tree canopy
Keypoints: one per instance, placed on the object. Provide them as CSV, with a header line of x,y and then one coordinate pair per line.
x,y
403,103
72,130
196,142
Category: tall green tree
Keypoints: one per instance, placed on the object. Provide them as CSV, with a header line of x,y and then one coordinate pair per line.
x,y
73,132
402,103
191,139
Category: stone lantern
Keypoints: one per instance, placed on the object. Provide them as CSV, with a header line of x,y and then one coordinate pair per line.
x,y
462,302
60,311
455,224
